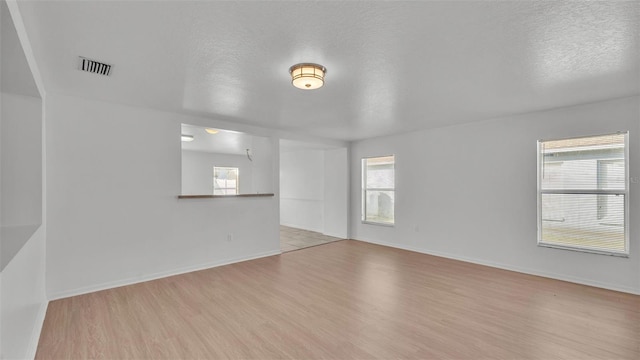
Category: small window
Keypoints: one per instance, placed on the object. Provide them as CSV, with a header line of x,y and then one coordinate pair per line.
x,y
378,190
583,194
225,181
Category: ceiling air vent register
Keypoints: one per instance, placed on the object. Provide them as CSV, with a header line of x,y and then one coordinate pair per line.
x,y
93,66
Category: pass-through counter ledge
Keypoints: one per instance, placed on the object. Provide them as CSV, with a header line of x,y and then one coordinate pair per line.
x,y
221,196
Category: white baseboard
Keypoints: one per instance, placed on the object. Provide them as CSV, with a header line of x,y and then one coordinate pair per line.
x,y
335,235
510,268
37,329
298,226
159,275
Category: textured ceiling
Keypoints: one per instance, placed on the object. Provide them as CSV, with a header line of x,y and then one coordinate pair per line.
x,y
392,66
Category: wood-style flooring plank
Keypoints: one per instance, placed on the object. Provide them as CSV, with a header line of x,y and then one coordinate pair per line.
x,y
345,300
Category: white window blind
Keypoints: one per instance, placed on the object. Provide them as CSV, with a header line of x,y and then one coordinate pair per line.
x,y
225,181
583,194
378,190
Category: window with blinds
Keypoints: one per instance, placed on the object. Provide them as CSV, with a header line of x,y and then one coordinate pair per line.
x,y
378,190
583,194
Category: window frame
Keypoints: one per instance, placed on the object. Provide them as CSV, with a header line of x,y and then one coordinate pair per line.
x,y
625,193
364,189
237,170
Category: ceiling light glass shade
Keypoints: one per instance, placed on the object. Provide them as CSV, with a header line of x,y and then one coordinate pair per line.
x,y
211,131
307,76
187,137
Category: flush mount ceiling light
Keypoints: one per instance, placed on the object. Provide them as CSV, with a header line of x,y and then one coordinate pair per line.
x,y
307,76
187,137
211,131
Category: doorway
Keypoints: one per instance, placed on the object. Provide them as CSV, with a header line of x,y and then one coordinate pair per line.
x,y
313,194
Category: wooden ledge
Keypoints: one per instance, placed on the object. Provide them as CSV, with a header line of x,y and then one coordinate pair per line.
x,y
221,196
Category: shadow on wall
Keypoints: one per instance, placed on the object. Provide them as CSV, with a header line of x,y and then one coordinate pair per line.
x,y
20,146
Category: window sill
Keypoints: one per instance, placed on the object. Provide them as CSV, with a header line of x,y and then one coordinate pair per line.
x,y
591,251
378,223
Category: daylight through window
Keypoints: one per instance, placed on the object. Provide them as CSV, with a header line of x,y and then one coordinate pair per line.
x,y
225,181
378,190
583,194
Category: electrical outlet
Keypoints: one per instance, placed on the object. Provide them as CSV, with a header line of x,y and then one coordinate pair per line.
x,y
229,237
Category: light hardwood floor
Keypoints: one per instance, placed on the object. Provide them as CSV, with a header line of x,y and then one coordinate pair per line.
x,y
346,300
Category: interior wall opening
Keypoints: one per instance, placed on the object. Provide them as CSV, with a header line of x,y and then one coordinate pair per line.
x,y
313,194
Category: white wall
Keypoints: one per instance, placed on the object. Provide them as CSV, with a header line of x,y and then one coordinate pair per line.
x,y
264,170
21,159
22,237
469,192
336,193
23,300
314,189
302,189
21,172
113,215
197,171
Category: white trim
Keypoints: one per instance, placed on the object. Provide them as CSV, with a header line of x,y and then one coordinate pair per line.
x,y
302,227
37,329
336,235
627,197
369,222
584,192
584,136
158,275
625,192
364,189
518,269
539,173
583,249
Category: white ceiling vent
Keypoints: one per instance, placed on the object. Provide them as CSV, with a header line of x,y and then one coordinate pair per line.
x,y
94,66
